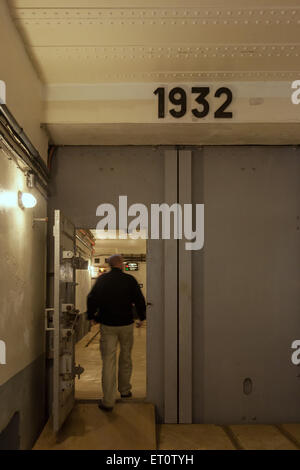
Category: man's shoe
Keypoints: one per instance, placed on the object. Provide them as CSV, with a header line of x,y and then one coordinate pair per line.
x,y
126,395
103,407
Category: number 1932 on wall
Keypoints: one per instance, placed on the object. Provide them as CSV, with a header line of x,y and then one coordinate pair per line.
x,y
201,102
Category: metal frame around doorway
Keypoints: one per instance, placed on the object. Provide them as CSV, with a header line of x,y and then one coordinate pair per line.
x,y
177,308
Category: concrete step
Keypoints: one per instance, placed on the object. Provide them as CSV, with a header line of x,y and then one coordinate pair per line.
x,y
213,437
193,437
263,437
130,426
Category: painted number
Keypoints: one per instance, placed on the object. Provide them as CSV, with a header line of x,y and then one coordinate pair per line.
x,y
178,97
202,93
161,101
221,113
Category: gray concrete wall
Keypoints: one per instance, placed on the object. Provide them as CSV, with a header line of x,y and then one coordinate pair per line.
x,y
24,393
22,274
246,295
22,296
22,250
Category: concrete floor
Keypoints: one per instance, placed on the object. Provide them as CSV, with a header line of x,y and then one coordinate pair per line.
x,y
132,423
130,426
235,437
192,437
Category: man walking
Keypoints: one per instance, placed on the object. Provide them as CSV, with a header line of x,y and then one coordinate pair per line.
x,y
110,304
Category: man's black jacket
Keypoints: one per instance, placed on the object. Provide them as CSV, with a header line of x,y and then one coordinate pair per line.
x,y
110,300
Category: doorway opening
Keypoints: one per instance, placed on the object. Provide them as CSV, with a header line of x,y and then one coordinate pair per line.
x,y
95,247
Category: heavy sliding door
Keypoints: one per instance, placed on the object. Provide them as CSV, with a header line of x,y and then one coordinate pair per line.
x,y
245,285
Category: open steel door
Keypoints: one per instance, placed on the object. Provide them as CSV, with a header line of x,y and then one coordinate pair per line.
x,y
64,319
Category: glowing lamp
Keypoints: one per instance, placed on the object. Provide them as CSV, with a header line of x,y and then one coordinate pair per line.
x,y
26,200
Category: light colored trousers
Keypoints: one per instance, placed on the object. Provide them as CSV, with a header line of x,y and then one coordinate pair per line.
x,y
110,336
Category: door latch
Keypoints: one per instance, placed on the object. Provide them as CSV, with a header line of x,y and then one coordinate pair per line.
x,y
78,370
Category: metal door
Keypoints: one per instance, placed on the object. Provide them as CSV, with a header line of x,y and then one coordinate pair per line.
x,y
246,296
64,319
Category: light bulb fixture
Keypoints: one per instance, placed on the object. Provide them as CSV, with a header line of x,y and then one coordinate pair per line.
x,y
26,200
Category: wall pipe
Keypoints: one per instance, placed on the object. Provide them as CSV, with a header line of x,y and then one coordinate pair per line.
x,y
18,131
14,155
85,234
84,243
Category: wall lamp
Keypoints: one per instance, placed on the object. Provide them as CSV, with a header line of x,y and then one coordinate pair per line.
x,y
26,200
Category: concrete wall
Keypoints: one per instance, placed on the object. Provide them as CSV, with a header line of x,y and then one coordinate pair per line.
x,y
22,299
22,251
24,393
24,90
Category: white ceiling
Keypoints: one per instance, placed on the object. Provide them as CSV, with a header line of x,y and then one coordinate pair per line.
x,y
92,41
77,44
111,246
